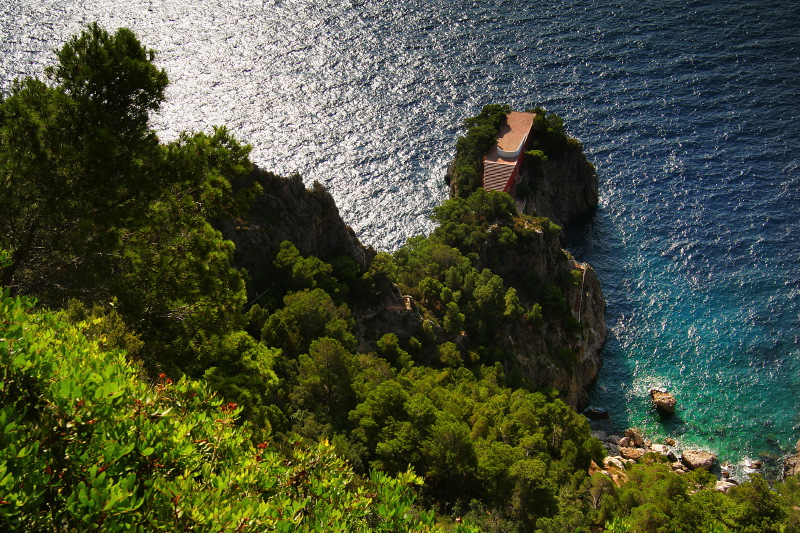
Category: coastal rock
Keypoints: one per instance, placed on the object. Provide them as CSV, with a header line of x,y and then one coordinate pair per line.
x,y
724,485
791,467
540,254
632,453
635,437
611,448
596,413
671,455
694,459
613,462
659,448
664,401
677,466
563,188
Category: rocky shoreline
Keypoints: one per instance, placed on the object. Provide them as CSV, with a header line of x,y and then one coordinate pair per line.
x,y
632,447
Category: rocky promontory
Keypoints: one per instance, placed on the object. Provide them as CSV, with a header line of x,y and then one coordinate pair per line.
x,y
564,187
791,466
561,351
288,211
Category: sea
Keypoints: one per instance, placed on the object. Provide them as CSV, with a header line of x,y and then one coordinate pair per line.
x,y
690,111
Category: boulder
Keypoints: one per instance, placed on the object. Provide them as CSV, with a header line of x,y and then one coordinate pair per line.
x,y
611,448
659,448
723,485
613,462
635,437
791,467
669,442
664,401
694,459
632,453
671,455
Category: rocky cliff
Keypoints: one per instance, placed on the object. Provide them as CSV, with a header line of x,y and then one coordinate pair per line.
x,y
564,353
287,211
564,187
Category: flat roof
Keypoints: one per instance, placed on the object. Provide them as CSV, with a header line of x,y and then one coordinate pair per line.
x,y
511,135
513,132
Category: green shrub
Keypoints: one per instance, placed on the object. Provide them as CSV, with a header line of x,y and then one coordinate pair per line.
x,y
85,445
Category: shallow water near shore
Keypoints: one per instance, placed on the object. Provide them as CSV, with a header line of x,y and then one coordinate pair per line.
x,y
688,109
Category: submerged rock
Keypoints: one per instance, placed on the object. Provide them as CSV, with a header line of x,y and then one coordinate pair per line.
x,y
664,401
596,413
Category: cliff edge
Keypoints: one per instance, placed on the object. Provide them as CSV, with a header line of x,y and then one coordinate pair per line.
x,y
562,188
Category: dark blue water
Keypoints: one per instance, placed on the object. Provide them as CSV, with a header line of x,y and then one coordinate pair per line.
x,y
689,110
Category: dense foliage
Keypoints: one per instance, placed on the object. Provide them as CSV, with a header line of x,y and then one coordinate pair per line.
x,y
87,445
95,209
316,421
466,170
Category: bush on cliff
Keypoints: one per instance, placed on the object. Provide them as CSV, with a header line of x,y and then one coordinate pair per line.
x,y
467,168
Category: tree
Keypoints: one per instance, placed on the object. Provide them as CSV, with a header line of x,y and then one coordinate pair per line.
x,y
77,158
95,209
758,507
326,376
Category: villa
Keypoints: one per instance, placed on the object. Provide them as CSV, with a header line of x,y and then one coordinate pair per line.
x,y
502,164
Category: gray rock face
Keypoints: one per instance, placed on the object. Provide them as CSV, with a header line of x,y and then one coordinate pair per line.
x,y
565,188
694,459
287,211
539,253
664,401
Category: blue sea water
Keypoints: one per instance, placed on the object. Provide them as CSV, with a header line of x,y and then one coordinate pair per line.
x,y
689,109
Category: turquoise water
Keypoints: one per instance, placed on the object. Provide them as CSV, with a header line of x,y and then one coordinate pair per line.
x,y
689,110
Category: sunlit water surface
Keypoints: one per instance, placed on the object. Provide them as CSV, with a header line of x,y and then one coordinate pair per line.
x,y
689,110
